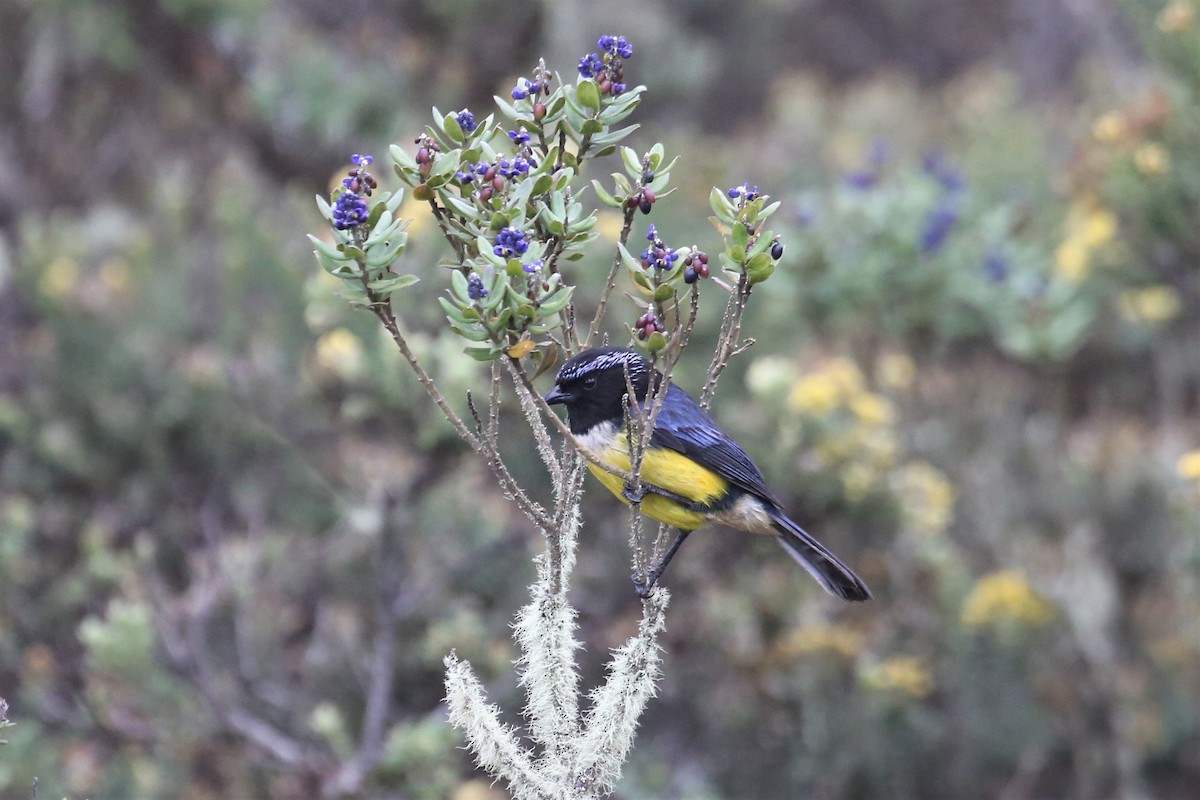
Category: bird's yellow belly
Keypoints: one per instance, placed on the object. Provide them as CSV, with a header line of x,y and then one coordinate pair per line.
x,y
669,471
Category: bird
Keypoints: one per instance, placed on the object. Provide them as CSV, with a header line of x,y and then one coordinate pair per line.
x,y
692,472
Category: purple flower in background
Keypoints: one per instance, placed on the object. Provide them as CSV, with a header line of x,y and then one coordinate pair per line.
x,y
995,265
862,179
938,167
937,228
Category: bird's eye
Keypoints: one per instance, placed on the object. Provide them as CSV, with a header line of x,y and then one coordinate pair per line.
x,y
589,383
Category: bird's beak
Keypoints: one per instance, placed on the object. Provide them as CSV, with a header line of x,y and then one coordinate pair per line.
x,y
556,395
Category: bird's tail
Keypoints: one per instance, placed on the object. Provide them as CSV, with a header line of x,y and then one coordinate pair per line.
x,y
830,572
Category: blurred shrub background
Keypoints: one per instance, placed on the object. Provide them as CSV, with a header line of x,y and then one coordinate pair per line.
x,y
236,540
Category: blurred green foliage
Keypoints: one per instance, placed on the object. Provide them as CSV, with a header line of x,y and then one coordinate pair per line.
x,y
221,496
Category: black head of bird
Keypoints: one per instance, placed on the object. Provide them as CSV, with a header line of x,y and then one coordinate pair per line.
x,y
594,384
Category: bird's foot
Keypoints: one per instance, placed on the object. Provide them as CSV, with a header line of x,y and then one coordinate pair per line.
x,y
635,494
645,589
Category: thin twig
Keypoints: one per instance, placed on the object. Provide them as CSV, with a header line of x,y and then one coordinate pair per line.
x,y
727,346
493,430
478,443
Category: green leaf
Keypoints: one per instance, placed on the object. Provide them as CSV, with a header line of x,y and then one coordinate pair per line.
x,y
325,208
664,293
446,165
557,302
472,332
633,164
656,342
720,206
605,140
394,200
542,185
507,108
458,285
591,127
456,314
588,94
392,284
328,250
741,236
656,155
460,207
453,129
760,268
760,244
490,353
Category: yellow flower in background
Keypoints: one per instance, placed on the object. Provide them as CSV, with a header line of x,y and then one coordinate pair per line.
x,y
1152,304
341,351
59,278
815,394
1003,597
1089,228
857,480
926,496
1071,262
837,640
846,375
1099,227
1177,16
1110,128
872,409
904,675
1189,466
895,371
1151,158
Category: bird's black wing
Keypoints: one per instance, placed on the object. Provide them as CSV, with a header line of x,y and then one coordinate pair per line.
x,y
683,426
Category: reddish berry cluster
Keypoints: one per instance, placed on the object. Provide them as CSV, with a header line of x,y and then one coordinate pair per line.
x,y
427,146
357,179
648,324
644,197
695,266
